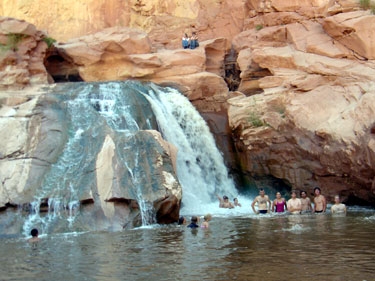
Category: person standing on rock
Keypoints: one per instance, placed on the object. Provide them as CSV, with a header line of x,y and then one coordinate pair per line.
x,y
320,203
261,201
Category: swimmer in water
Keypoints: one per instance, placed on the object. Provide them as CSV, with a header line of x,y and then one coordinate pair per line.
x,y
206,219
305,203
236,203
193,223
34,236
262,201
294,204
338,207
181,220
224,203
320,203
279,204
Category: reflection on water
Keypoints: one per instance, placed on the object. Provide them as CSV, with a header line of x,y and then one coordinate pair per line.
x,y
307,247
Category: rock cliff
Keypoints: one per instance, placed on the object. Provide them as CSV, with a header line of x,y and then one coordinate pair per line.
x,y
301,105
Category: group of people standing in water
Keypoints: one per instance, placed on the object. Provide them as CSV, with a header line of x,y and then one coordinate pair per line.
x,y
190,42
295,205
263,205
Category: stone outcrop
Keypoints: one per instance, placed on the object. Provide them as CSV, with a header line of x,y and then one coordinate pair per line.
x,y
306,112
123,53
22,52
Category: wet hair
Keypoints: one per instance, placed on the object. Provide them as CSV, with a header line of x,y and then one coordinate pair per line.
x,y
302,191
34,232
317,188
293,191
234,199
207,217
181,220
194,219
225,197
261,189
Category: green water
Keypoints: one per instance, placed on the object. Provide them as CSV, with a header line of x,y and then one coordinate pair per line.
x,y
308,247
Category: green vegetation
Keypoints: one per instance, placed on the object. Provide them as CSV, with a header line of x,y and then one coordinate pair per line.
x,y
364,4
367,5
12,41
49,41
280,108
255,120
259,27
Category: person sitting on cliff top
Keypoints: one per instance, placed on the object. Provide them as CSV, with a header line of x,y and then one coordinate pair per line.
x,y
224,203
185,41
34,236
194,41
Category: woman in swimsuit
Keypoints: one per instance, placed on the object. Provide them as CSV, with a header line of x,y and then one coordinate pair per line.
x,y
279,204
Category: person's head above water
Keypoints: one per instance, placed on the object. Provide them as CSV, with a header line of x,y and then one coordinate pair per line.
x,y
261,192
225,197
34,232
194,219
181,220
207,217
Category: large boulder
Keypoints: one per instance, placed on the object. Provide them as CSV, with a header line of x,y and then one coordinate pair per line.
x,y
22,51
353,30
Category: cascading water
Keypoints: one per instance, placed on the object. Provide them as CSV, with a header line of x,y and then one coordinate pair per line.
x,y
121,109
200,166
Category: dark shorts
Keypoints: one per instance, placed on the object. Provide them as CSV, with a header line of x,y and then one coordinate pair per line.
x,y
262,211
319,211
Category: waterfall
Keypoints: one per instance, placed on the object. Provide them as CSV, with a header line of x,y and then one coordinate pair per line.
x,y
122,109
200,165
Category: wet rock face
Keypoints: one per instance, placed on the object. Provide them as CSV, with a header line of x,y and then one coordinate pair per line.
x,y
107,158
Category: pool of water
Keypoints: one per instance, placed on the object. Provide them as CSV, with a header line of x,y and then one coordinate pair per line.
x,y
235,247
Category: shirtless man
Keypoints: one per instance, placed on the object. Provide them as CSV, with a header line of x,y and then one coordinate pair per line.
x,y
34,236
262,200
305,202
320,203
338,207
294,204
224,203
